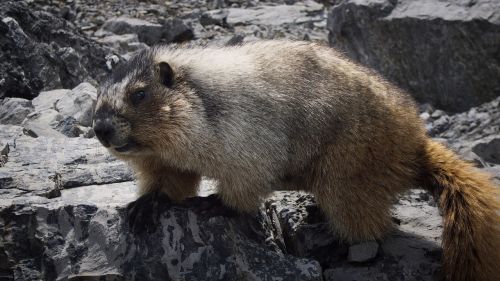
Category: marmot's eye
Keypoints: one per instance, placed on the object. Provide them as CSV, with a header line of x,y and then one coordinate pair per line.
x,y
137,97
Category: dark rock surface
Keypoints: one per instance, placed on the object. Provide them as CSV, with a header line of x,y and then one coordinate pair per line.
x,y
198,240
40,51
442,52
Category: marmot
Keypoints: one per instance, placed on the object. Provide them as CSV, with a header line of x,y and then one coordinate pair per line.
x,y
298,116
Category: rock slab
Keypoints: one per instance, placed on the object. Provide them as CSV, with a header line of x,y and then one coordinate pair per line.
x,y
443,52
43,52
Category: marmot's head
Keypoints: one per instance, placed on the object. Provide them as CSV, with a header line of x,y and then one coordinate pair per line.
x,y
143,107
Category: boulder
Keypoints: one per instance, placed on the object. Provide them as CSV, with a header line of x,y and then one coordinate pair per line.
x,y
173,30
41,51
14,110
48,99
60,113
441,51
80,236
43,123
149,33
363,252
488,149
44,165
79,103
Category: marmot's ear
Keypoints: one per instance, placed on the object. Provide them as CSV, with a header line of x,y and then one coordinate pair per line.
x,y
166,74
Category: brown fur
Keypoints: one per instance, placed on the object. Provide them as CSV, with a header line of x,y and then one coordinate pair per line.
x,y
471,236
297,115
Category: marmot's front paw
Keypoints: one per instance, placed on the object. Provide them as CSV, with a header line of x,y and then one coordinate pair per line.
x,y
144,213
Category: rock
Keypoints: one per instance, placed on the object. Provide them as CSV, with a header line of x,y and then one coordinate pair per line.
x,y
470,133
426,107
363,252
79,103
42,123
235,40
217,17
42,52
48,99
302,227
198,240
60,113
56,163
176,31
124,43
69,127
274,15
425,116
14,110
150,33
488,150
460,37
147,32
438,114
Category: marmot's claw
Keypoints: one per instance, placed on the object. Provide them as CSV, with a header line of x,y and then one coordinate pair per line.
x,y
143,214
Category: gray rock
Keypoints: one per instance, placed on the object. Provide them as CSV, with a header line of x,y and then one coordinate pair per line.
x,y
425,116
302,227
149,33
69,127
48,99
14,110
60,113
42,123
49,52
173,30
488,149
438,114
85,233
363,252
124,43
275,15
476,127
218,17
79,103
176,31
55,163
457,67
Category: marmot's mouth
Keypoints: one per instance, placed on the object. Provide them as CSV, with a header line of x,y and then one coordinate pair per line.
x,y
127,147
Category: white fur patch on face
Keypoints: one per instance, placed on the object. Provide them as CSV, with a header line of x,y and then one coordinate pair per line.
x,y
166,108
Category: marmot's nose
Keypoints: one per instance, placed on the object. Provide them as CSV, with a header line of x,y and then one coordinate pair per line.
x,y
104,131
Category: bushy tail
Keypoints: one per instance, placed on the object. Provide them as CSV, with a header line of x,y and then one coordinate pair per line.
x,y
470,207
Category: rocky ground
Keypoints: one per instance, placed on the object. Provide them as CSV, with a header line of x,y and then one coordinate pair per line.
x,y
63,197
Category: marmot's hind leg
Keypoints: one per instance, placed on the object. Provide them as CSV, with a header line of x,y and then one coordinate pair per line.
x,y
243,193
354,199
354,215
